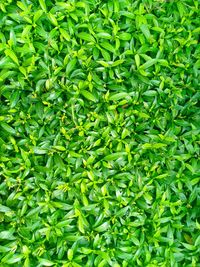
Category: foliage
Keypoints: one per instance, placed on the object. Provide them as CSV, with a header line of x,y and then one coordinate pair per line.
x,y
99,133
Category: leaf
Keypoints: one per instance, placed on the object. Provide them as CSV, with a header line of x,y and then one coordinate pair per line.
x,y
65,34
12,55
59,148
45,262
88,95
149,63
86,251
7,235
188,246
108,47
4,249
70,254
197,242
145,30
37,15
125,36
43,5
40,151
117,62
103,35
86,37
103,63
118,96
103,227
153,146
81,225
161,176
71,66
137,60
4,208
150,93
14,259
8,128
53,19
114,156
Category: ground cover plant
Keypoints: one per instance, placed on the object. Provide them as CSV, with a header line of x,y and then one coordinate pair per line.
x,y
99,133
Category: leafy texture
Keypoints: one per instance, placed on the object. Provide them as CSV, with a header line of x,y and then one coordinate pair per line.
x,y
99,133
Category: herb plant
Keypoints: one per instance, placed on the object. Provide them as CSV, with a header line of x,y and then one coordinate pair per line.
x,y
99,133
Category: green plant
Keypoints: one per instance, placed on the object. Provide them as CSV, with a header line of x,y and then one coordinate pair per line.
x,y
99,133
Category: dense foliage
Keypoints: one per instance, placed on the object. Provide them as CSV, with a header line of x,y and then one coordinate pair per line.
x,y
99,133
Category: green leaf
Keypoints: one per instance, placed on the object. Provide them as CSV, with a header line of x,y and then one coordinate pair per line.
x,y
53,19
117,62
43,5
4,208
145,30
149,63
8,128
103,63
125,36
118,96
88,95
108,47
37,15
65,34
137,60
7,235
114,156
70,254
71,66
12,55
104,35
40,151
188,246
103,227
86,37
45,262
14,259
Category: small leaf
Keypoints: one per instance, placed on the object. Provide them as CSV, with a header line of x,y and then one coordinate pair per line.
x,y
149,63
8,128
12,55
4,208
81,225
14,259
125,36
117,62
103,227
108,47
37,15
7,235
59,148
114,156
145,30
53,19
43,5
104,35
137,60
45,262
70,254
65,34
71,66
86,37
40,151
188,246
86,251
118,96
88,95
103,63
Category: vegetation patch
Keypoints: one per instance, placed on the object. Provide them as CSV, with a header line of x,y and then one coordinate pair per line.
x,y
99,133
